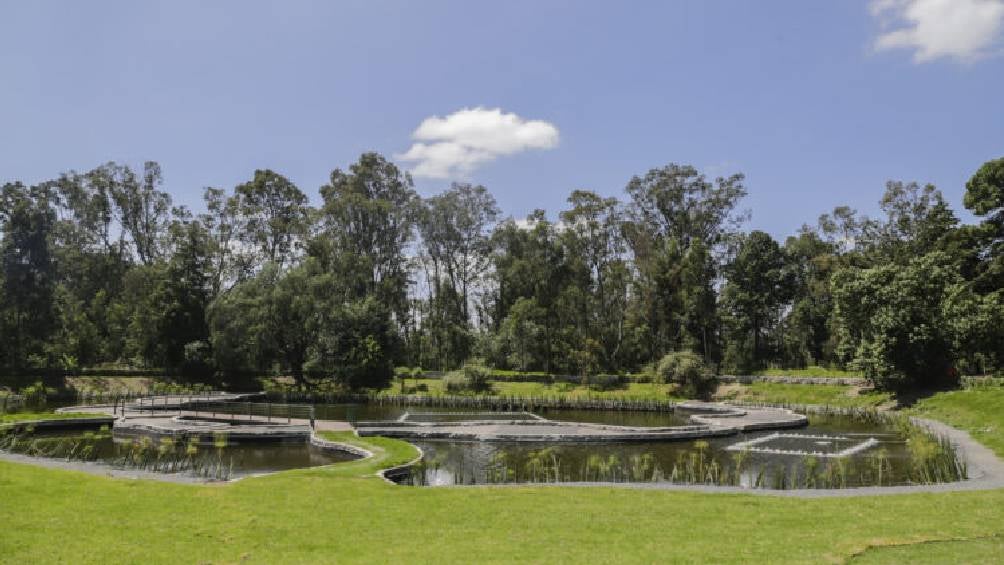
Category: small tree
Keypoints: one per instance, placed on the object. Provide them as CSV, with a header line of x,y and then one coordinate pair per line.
x,y
687,369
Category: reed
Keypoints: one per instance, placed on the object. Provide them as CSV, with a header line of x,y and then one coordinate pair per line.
x,y
163,456
931,460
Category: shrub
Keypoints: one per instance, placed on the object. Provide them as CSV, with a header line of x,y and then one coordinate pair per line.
x,y
474,377
687,369
454,382
647,374
603,382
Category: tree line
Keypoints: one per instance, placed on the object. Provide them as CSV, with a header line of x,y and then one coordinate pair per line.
x,y
101,268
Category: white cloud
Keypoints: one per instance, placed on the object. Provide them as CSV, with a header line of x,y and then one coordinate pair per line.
x,y
455,145
959,29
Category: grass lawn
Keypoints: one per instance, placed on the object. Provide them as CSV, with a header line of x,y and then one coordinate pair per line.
x,y
633,391
344,513
813,371
978,411
22,416
833,395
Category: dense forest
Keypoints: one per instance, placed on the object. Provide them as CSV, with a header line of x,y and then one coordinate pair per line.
x,y
100,268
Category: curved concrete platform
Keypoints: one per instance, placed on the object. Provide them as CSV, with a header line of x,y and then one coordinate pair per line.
x,y
520,430
184,428
741,418
709,420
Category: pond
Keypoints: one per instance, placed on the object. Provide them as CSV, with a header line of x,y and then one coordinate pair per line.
x,y
222,459
832,452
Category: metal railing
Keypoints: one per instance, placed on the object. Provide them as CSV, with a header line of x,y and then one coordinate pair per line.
x,y
251,412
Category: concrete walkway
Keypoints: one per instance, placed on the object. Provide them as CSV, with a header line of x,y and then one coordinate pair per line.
x,y
708,420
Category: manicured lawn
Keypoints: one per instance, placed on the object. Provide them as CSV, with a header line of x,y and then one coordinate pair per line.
x,y
980,550
978,411
813,371
22,416
344,513
833,395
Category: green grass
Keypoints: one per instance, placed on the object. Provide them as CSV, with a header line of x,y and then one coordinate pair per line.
x,y
345,513
978,550
833,395
814,371
387,453
26,416
632,391
978,411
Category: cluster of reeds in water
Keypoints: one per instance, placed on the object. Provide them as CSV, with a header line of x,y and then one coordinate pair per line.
x,y
164,455
928,460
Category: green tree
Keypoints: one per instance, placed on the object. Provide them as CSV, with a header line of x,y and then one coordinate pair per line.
x,y
672,209
29,274
807,336
143,209
224,223
892,322
985,198
183,293
455,228
593,235
368,219
758,286
274,216
520,335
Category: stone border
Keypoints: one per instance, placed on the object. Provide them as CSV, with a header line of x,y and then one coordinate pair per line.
x,y
328,445
125,427
384,474
389,472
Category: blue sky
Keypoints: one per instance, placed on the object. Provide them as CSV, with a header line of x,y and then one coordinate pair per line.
x,y
818,103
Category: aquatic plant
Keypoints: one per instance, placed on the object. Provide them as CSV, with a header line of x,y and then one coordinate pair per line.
x,y
927,460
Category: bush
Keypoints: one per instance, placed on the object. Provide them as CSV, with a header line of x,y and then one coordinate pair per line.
x,y
687,369
474,377
647,374
454,382
603,382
